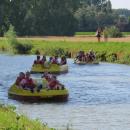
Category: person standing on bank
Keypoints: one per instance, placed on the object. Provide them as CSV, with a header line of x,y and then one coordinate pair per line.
x,y
98,34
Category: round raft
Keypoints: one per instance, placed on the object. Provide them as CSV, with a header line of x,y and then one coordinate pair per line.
x,y
84,63
44,95
53,68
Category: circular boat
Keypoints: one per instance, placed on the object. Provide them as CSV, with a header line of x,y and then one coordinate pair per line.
x,y
44,95
52,68
84,63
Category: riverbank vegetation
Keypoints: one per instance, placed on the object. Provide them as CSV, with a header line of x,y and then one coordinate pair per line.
x,y
9,120
116,52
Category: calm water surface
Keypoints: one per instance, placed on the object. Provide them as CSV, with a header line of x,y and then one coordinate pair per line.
x,y
99,95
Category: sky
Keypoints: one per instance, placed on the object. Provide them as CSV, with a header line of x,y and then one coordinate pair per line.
x,y
116,4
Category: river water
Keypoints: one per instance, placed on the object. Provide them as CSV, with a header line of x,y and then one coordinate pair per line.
x,y
99,95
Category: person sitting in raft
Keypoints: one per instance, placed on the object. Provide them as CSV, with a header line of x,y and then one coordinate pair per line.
x,y
19,79
37,61
87,57
43,60
79,56
83,56
50,60
54,84
28,82
55,60
47,76
63,60
91,55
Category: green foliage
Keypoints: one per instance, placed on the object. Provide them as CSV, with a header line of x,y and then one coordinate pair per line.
x,y
4,16
21,48
15,44
84,33
11,36
112,31
9,120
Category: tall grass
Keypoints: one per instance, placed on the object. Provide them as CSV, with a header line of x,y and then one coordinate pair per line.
x,y
9,120
108,49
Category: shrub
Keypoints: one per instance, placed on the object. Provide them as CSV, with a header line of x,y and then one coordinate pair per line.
x,y
112,31
21,48
11,36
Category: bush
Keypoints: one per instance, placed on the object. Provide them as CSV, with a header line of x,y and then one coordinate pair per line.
x,y
11,36
21,48
112,31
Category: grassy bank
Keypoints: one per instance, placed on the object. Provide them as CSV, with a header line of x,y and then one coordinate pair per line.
x,y
94,33
9,120
118,52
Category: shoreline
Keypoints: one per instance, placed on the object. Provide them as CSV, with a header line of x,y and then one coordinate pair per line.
x,y
112,52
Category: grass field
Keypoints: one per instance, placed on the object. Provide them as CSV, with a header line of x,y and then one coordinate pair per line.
x,y
93,33
9,120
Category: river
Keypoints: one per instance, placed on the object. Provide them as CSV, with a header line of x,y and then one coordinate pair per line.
x,y
99,95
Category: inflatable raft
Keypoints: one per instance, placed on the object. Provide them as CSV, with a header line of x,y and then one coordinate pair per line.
x,y
84,63
53,68
44,95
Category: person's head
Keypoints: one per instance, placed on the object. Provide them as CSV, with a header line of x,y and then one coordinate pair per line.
x,y
43,57
21,74
27,74
38,57
56,57
87,54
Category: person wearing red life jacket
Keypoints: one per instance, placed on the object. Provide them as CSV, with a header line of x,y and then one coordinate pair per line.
x,y
43,60
28,82
37,61
55,60
19,79
47,76
54,84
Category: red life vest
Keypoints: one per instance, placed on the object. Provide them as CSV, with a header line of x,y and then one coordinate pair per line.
x,y
29,82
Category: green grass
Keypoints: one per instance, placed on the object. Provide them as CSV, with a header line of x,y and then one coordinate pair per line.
x,y
93,33
121,49
9,120
126,33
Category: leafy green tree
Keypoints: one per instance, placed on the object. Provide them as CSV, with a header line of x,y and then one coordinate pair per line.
x,y
4,16
55,17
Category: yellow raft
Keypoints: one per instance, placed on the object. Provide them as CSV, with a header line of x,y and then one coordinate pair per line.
x,y
44,95
52,68
84,63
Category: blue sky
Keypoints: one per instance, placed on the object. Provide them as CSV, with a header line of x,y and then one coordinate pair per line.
x,y
120,4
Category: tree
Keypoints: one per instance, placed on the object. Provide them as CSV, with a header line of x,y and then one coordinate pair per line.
x,y
4,16
55,17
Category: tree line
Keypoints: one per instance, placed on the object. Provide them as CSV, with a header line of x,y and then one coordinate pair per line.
x,y
60,17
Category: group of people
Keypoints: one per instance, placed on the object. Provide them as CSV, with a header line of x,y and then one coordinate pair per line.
x,y
25,81
88,57
52,60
